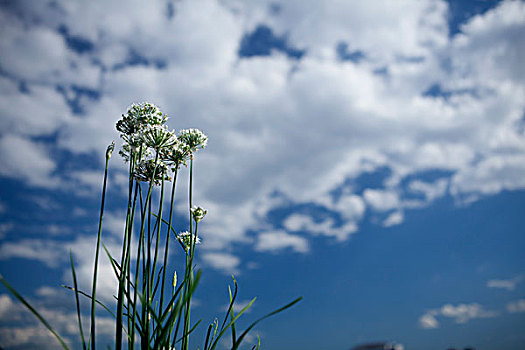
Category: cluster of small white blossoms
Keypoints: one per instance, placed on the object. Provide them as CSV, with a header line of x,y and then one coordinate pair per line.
x,y
152,146
186,238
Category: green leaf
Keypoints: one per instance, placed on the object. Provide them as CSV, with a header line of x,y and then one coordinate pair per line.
x,y
238,342
77,300
40,318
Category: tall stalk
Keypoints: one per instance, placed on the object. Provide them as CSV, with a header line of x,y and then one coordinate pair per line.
x,y
123,261
168,233
189,265
97,250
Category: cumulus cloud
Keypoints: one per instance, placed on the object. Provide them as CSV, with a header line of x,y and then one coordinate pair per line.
x,y
27,160
274,241
393,219
223,261
381,200
461,313
418,100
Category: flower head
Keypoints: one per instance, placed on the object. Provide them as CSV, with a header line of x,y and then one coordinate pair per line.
x,y
198,213
158,137
133,125
186,238
147,171
176,155
194,138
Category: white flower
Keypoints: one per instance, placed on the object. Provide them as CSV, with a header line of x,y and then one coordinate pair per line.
x,y
176,155
186,239
147,171
194,138
198,213
133,125
158,136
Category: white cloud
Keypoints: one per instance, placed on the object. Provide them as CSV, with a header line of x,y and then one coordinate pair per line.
x,y
393,219
516,306
461,313
327,227
431,191
39,54
381,200
27,160
45,251
509,284
23,328
301,127
55,254
428,321
274,241
223,261
351,207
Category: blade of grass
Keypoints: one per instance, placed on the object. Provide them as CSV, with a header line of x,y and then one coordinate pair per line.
x,y
89,297
238,341
77,300
40,318
231,322
232,316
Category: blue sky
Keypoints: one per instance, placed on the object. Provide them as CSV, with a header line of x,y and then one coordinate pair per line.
x,y
368,155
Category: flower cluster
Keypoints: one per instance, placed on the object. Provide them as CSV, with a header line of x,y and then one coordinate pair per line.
x,y
154,148
194,138
186,238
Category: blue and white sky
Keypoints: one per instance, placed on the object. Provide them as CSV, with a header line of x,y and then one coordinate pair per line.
x,y
368,155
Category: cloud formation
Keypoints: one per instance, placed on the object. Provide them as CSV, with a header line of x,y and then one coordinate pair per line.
x,y
417,100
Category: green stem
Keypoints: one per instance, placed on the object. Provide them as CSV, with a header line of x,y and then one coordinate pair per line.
x,y
168,238
123,269
94,289
145,271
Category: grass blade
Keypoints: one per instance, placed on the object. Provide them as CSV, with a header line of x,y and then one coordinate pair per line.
x,y
40,318
238,341
77,300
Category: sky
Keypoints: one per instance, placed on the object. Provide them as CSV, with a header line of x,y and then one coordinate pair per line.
x,y
366,155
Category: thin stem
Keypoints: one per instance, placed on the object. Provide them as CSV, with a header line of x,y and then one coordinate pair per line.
x,y
186,336
145,310
168,238
94,288
123,269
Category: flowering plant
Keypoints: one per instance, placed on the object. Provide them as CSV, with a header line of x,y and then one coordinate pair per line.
x,y
147,314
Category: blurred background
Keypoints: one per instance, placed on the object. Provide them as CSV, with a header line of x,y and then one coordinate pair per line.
x,y
368,155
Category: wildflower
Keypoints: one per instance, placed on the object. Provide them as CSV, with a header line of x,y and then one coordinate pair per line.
x,y
176,155
132,125
194,138
186,239
147,171
198,213
138,116
158,136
